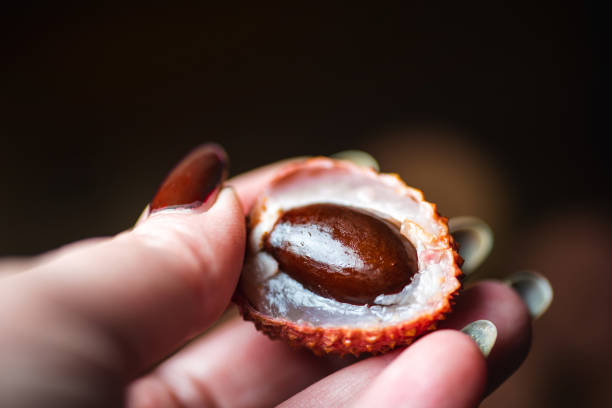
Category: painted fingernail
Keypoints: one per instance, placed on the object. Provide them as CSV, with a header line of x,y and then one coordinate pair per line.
x,y
358,157
535,290
475,239
196,180
484,334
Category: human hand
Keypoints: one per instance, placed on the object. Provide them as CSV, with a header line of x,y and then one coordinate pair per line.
x,y
102,322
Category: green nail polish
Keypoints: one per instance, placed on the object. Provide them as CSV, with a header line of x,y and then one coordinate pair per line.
x,y
535,290
475,239
484,334
358,157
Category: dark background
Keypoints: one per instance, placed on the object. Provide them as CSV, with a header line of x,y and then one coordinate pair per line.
x,y
489,108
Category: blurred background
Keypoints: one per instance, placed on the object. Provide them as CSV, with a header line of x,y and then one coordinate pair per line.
x,y
488,108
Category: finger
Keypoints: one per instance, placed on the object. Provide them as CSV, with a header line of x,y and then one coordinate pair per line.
x,y
443,369
146,291
443,366
235,366
150,289
494,301
487,300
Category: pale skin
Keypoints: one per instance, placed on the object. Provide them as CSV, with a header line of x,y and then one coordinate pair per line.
x,y
99,323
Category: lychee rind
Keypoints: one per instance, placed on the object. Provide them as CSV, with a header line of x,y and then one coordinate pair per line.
x,y
340,339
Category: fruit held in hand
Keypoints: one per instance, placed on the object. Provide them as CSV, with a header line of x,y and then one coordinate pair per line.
x,y
342,259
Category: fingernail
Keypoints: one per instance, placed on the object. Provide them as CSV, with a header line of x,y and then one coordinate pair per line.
x,y
196,180
484,334
358,157
475,239
535,290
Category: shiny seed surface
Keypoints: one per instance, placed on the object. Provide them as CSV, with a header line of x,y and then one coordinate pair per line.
x,y
341,252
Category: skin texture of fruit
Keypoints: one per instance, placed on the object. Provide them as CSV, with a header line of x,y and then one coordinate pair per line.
x,y
341,252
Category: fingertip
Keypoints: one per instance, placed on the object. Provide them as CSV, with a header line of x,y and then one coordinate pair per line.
x,y
202,247
444,368
462,359
499,303
228,205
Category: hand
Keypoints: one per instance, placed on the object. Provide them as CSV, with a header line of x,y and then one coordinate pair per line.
x,y
104,322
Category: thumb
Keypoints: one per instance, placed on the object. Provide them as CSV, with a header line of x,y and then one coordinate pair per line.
x,y
135,298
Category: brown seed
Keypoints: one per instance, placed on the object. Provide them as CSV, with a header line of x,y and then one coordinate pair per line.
x,y
341,252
